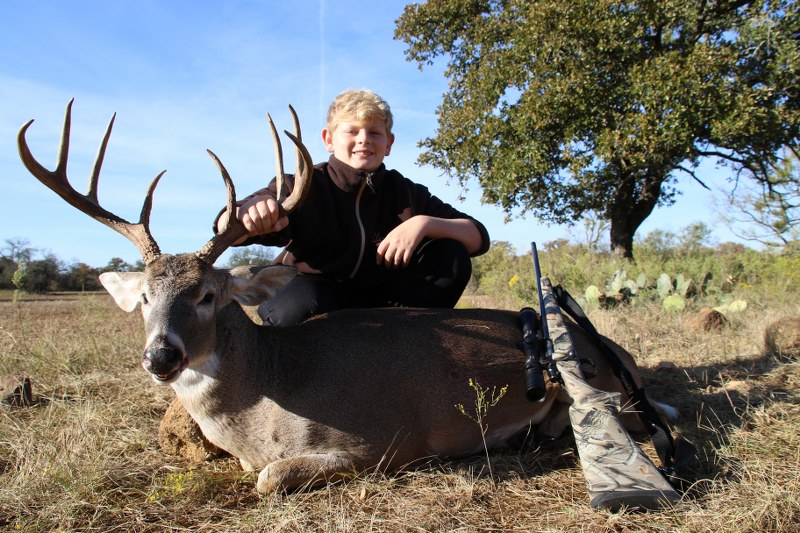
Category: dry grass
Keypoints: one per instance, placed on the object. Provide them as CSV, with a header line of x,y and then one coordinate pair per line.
x,y
86,458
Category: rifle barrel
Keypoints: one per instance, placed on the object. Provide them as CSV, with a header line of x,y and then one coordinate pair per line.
x,y
538,273
552,370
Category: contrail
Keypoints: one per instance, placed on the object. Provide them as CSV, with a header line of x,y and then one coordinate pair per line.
x,y
321,60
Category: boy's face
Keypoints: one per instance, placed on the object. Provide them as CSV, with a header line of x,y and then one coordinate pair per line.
x,y
362,144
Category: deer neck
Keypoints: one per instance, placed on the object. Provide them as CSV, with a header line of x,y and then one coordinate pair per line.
x,y
239,373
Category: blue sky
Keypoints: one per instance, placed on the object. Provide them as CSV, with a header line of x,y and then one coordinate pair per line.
x,y
184,76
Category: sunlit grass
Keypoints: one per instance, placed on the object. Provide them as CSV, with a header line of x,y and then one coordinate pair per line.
x,y
86,456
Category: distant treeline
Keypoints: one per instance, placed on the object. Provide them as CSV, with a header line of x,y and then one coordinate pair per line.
x,y
20,270
51,274
502,272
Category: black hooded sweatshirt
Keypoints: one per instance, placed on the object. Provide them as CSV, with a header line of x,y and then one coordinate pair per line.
x,y
347,213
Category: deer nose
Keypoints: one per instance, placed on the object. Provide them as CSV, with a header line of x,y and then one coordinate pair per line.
x,y
164,361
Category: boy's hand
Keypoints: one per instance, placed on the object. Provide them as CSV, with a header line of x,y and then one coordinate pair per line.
x,y
397,248
259,215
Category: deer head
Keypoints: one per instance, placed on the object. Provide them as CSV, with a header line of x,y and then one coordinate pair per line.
x,y
180,292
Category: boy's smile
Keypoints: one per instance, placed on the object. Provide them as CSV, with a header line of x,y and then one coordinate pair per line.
x,y
362,144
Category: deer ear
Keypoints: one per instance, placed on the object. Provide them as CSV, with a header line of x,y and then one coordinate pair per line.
x,y
124,287
253,285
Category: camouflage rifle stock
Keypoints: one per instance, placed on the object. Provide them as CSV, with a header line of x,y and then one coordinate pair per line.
x,y
618,473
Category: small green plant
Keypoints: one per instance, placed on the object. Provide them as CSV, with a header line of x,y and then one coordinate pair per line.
x,y
174,483
18,279
619,289
620,282
485,399
731,306
592,296
522,288
674,293
674,303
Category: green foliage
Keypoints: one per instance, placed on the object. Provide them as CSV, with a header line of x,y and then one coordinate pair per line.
x,y
117,264
729,277
732,306
81,277
620,282
664,285
502,272
251,255
592,296
683,286
559,108
43,275
18,279
674,303
621,289
22,270
694,237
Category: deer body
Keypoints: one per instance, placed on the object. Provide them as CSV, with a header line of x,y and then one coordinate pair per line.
x,y
343,392
340,393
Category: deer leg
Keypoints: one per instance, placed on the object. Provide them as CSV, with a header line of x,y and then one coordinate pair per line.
x,y
304,471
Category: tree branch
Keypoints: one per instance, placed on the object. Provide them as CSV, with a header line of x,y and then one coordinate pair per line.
x,y
722,155
694,176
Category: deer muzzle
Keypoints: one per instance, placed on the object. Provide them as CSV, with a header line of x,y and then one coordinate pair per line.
x,y
164,361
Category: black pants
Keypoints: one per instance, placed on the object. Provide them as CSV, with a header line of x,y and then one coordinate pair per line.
x,y
436,276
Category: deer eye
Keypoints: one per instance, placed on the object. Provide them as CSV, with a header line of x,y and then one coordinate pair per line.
x,y
143,299
207,299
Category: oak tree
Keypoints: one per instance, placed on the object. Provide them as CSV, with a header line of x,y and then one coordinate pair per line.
x,y
562,108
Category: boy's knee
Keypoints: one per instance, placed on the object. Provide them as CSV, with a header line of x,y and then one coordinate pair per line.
x,y
269,315
454,257
300,299
282,316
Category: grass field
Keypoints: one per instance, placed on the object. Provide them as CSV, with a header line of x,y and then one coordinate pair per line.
x,y
85,456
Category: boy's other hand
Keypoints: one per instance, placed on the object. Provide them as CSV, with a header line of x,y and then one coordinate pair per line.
x,y
397,248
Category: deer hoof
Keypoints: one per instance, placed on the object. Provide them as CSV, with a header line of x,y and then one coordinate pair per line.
x,y
267,484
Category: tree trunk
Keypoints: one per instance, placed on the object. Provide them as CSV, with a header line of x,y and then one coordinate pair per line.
x,y
632,204
621,240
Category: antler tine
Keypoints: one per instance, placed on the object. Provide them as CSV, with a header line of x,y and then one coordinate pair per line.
x,y
299,163
233,229
98,162
304,165
58,182
302,180
276,142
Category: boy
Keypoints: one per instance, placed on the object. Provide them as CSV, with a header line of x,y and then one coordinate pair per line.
x,y
365,236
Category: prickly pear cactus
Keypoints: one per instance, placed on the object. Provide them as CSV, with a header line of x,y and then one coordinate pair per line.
x,y
664,285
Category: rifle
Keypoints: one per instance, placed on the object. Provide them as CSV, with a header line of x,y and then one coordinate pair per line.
x,y
618,473
538,346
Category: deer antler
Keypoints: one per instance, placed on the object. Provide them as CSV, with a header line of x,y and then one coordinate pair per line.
x,y
139,233
57,181
234,229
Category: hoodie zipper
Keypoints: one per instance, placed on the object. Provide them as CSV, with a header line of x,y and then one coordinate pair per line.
x,y
364,182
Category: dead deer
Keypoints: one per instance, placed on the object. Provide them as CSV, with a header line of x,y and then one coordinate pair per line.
x,y
339,394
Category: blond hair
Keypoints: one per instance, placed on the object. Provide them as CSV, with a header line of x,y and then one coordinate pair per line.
x,y
359,104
